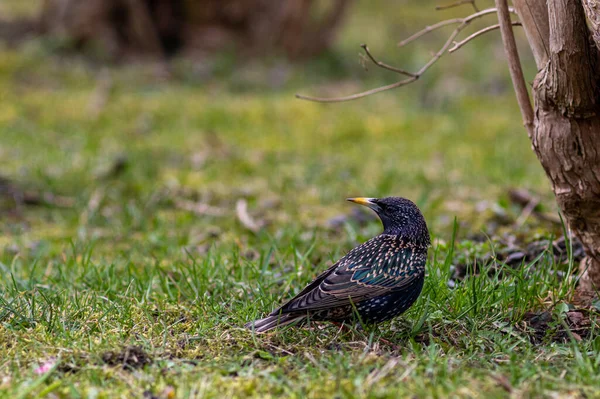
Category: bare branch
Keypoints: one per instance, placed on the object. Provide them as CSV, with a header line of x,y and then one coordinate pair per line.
x,y
385,66
441,52
447,22
428,29
458,45
463,23
514,65
485,12
241,210
199,208
358,95
458,3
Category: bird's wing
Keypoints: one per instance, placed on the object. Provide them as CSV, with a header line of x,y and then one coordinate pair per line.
x,y
380,265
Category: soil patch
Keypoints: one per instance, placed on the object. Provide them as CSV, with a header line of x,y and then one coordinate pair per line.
x,y
544,327
130,357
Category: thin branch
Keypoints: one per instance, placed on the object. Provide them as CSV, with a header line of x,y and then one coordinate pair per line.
x,y
241,210
429,29
385,66
458,45
199,208
525,213
514,65
463,23
458,3
445,47
485,12
358,95
447,22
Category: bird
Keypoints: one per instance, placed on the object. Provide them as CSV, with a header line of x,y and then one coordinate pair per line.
x,y
376,281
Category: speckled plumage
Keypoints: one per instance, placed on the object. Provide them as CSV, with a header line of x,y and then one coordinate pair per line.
x,y
379,279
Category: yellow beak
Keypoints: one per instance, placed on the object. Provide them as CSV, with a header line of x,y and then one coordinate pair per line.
x,y
368,202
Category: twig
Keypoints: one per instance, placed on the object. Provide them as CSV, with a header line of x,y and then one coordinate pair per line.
x,y
514,65
526,200
358,95
92,206
521,196
447,22
379,373
443,49
429,29
503,382
463,23
458,45
280,349
458,3
241,209
385,66
526,212
199,208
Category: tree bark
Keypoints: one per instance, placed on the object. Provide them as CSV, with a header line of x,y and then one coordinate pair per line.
x,y
514,65
566,136
592,11
533,14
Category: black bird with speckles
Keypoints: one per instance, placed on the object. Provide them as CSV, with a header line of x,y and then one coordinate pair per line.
x,y
377,280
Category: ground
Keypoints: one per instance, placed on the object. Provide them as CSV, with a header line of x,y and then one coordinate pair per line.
x,y
147,218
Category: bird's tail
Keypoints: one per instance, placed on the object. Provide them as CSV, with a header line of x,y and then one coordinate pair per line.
x,y
273,321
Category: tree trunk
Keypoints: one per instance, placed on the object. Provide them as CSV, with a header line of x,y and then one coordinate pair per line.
x,y
566,137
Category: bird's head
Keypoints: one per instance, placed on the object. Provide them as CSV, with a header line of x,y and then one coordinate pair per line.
x,y
399,216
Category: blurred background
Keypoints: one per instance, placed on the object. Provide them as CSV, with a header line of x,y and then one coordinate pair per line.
x,y
144,125
161,186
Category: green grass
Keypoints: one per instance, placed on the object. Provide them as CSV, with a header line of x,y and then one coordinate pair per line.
x,y
126,266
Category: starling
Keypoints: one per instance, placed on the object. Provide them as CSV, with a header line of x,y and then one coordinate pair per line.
x,y
377,280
